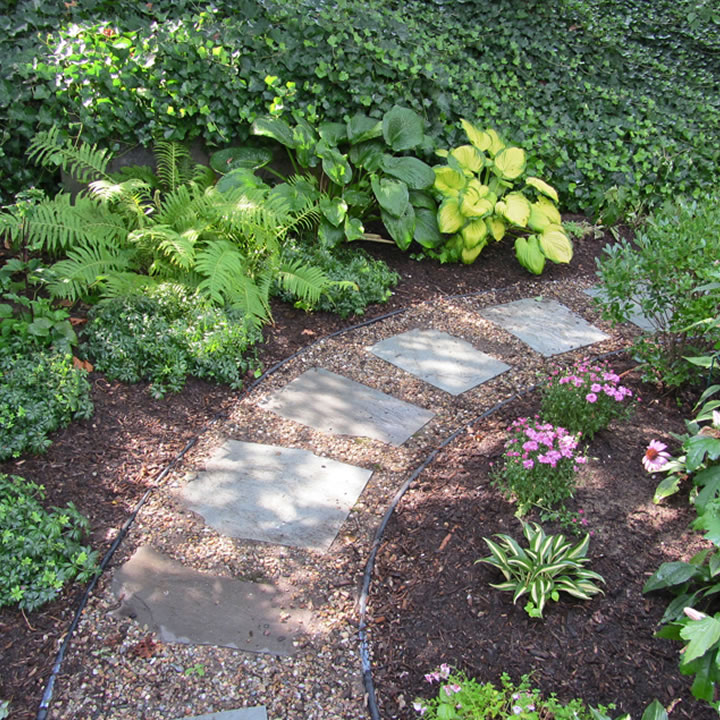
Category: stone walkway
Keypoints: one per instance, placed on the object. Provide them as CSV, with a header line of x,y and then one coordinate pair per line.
x,y
295,498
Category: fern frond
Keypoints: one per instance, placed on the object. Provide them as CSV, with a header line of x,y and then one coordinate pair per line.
x,y
130,198
84,270
178,248
83,161
222,267
304,281
174,165
178,208
117,284
252,299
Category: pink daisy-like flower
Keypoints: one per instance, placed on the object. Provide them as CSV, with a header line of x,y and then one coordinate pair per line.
x,y
656,456
591,397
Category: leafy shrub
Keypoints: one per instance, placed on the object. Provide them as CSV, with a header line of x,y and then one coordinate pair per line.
x,y
40,551
463,698
366,280
550,565
167,334
477,207
39,393
585,398
540,462
672,272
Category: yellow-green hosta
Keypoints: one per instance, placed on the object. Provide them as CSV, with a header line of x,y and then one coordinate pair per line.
x,y
485,194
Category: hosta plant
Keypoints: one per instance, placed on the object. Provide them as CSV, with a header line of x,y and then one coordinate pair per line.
x,y
485,194
363,170
548,566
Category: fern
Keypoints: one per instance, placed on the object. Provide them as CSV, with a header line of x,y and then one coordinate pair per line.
x,y
305,282
131,198
252,298
84,162
222,266
178,248
120,284
85,269
174,165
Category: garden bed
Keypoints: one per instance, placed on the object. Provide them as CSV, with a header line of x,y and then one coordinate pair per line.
x,y
430,604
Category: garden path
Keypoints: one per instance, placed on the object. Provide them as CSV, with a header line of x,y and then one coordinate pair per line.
x,y
293,497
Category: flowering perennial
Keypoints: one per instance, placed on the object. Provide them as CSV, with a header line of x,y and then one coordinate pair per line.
x,y
656,456
540,463
585,398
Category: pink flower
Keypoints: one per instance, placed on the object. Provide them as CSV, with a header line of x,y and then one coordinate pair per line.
x,y
656,456
591,397
528,464
595,388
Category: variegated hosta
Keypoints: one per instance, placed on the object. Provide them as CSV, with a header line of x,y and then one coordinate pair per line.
x,y
485,193
549,566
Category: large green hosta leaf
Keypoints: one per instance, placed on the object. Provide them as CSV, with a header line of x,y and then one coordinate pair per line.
x,y
542,214
529,254
514,207
413,172
276,129
401,229
334,209
556,245
334,164
402,129
474,233
392,195
543,187
427,232
367,155
224,161
450,218
469,158
333,133
481,139
448,181
361,127
510,163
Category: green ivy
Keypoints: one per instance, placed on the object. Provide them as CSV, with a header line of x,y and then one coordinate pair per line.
x,y
603,93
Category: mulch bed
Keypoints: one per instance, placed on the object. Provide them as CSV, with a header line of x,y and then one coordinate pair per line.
x,y
603,652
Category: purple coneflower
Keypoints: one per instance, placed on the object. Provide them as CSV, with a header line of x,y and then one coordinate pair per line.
x,y
656,456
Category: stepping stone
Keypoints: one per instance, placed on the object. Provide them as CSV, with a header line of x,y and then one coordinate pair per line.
x,y
333,404
546,326
439,359
253,713
186,606
635,315
274,494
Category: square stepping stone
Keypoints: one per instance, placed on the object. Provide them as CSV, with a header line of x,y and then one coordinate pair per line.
x,y
254,713
183,605
274,494
635,315
439,359
333,404
546,326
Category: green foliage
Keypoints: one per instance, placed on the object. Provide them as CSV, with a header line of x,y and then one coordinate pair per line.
x,y
167,334
671,271
483,196
539,464
40,551
361,280
550,565
463,698
356,166
599,91
39,393
585,398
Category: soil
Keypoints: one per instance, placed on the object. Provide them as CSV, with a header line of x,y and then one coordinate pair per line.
x,y
430,604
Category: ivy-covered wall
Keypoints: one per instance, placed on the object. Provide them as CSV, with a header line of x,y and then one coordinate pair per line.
x,y
601,92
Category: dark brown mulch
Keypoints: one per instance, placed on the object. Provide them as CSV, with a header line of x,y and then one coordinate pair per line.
x,y
432,604
105,464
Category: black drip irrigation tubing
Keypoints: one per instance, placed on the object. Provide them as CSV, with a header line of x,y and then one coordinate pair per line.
x,y
45,703
370,566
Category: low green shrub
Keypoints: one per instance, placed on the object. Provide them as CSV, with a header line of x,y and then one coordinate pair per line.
x,y
39,393
167,334
463,698
585,398
40,551
539,464
672,272
366,280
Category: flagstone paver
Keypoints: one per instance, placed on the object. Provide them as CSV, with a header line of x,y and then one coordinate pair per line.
x,y
254,713
274,494
333,404
636,315
547,326
186,606
439,359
